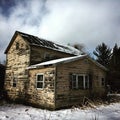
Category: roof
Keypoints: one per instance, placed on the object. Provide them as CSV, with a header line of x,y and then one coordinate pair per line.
x,y
36,41
65,60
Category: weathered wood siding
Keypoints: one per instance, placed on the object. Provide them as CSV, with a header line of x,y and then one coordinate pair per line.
x,y
17,60
38,54
56,92
42,97
66,96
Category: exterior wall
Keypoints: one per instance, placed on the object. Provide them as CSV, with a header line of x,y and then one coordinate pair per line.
x,y
42,97
38,54
66,96
57,81
16,62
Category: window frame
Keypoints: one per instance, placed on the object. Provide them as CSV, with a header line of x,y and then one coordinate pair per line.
x,y
43,81
84,81
17,45
14,81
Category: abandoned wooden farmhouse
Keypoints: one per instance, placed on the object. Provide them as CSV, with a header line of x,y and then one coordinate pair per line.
x,y
42,73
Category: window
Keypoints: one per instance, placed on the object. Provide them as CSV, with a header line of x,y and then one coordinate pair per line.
x,y
40,81
17,45
74,81
14,81
80,81
103,82
86,81
47,56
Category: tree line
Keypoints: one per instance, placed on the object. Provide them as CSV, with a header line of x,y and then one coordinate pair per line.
x,y
110,58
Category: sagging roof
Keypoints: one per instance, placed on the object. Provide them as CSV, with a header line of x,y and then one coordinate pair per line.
x,y
65,60
36,41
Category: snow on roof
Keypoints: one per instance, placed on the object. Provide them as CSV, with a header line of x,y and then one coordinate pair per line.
x,y
57,61
34,40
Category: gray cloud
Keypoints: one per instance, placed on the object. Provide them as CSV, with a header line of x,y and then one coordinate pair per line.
x,y
64,21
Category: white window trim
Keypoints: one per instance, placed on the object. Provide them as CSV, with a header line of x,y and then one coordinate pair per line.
x,y
84,86
88,86
43,80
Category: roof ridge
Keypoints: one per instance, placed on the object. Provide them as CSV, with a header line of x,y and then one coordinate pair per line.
x,y
34,36
50,44
25,33
36,41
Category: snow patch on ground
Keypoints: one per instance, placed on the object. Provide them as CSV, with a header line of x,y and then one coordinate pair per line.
x,y
21,112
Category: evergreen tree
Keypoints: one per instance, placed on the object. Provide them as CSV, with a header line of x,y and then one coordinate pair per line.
x,y
103,54
113,76
115,59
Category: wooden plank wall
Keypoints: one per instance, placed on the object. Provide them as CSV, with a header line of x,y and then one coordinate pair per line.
x,y
67,97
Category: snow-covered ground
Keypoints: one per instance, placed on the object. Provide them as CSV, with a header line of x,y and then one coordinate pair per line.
x,y
21,112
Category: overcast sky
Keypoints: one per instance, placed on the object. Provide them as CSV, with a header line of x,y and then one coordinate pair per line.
x,y
88,22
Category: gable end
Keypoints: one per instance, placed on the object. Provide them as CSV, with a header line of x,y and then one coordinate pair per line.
x,y
12,40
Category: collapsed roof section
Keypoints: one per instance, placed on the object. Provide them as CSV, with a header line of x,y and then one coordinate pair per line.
x,y
34,40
